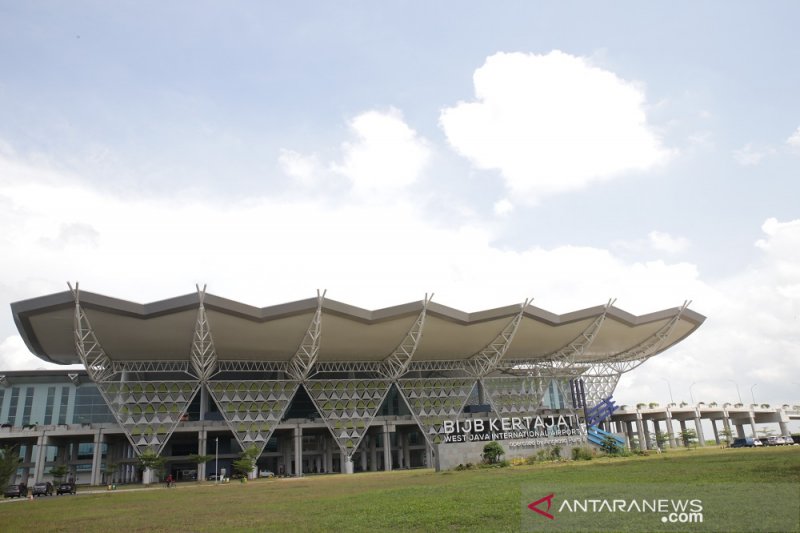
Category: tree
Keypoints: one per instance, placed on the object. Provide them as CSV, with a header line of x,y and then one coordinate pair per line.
x,y
492,452
109,471
661,440
727,434
59,472
247,461
9,462
150,460
688,436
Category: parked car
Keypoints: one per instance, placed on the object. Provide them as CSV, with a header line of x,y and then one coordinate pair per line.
x,y
44,488
19,490
266,473
213,476
790,440
66,488
748,442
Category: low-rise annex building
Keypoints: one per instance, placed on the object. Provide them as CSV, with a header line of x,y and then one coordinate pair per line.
x,y
315,386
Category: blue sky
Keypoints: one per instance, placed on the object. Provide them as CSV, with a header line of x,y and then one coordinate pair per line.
x,y
570,152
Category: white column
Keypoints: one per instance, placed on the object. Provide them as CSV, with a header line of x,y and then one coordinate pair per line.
x,y
202,439
97,458
701,439
373,453
41,457
406,450
387,447
298,451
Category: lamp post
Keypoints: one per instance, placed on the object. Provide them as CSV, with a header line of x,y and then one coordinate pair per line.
x,y
216,460
739,394
669,388
753,396
691,396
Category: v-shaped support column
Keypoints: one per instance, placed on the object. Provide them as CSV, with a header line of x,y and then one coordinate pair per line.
x,y
434,400
348,407
148,411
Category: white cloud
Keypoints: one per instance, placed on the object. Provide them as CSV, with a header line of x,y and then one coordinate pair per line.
x,y
750,155
503,207
265,251
14,355
794,139
302,168
751,338
664,242
552,123
387,154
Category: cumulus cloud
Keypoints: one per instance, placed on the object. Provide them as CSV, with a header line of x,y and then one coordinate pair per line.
x,y
553,123
750,155
794,139
664,242
386,155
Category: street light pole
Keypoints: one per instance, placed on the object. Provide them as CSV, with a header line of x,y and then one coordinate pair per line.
x,y
216,461
739,394
751,392
669,388
691,396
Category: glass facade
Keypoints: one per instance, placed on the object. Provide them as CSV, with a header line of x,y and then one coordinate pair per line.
x,y
62,410
26,411
12,406
90,408
48,410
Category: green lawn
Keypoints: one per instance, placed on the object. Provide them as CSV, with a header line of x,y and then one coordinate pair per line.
x,y
418,500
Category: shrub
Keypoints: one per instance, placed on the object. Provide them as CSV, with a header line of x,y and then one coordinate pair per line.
x,y
581,453
492,452
530,460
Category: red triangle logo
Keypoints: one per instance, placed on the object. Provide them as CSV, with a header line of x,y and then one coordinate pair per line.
x,y
535,506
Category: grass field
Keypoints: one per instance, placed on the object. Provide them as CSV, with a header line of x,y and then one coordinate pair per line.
x,y
417,500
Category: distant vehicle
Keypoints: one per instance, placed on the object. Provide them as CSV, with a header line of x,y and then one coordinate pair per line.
x,y
66,488
748,442
790,440
213,476
19,490
44,488
266,473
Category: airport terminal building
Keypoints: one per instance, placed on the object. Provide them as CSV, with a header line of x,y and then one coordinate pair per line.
x,y
315,386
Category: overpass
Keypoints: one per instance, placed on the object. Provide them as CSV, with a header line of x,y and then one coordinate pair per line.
x,y
646,421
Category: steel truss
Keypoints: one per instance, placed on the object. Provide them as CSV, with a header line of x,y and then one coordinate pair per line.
x,y
119,367
203,355
91,353
564,360
598,388
397,362
147,411
303,361
487,359
251,366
